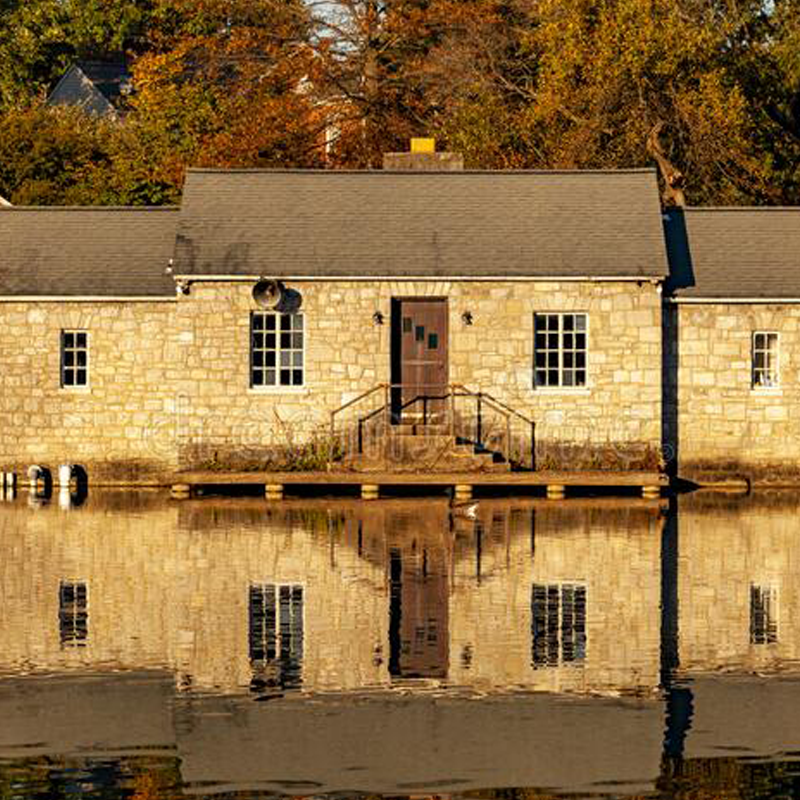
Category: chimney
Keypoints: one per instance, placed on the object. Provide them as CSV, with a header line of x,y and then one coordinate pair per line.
x,y
423,157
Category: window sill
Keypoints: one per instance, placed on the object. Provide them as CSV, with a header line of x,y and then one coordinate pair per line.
x,y
763,391
280,390
548,390
76,389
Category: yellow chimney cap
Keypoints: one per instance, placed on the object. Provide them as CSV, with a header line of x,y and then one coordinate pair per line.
x,y
422,145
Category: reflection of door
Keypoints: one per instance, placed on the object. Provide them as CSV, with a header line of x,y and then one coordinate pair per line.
x,y
419,359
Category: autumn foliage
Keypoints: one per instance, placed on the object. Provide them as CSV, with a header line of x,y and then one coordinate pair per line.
x,y
335,83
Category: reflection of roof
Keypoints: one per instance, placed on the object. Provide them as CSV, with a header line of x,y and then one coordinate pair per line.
x,y
386,223
94,86
86,251
734,252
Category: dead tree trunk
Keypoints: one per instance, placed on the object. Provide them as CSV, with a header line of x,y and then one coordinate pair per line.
x,y
672,194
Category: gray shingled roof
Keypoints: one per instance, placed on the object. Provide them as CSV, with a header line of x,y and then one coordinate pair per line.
x,y
94,86
325,223
86,251
734,252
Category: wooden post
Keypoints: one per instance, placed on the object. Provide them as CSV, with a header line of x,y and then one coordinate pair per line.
x,y
181,491
369,491
463,491
274,491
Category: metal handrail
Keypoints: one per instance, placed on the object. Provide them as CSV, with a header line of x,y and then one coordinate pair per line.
x,y
450,391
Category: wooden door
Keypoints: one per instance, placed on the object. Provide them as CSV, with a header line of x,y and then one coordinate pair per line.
x,y
419,360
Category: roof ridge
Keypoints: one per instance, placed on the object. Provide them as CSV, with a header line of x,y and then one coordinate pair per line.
x,y
373,172
735,208
91,208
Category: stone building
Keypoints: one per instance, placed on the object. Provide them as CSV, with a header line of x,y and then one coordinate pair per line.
x,y
732,378
139,341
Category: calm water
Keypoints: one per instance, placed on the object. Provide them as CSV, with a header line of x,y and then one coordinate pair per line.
x,y
159,649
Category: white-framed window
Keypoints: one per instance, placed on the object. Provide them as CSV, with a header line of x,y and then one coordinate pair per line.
x,y
763,614
558,624
74,359
277,347
560,350
766,360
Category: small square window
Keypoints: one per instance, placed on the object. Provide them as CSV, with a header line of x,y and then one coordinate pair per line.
x,y
74,359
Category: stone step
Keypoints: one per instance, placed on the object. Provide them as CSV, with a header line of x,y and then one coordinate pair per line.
x,y
419,429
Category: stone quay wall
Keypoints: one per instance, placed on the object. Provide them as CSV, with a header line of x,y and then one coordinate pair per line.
x,y
170,381
723,425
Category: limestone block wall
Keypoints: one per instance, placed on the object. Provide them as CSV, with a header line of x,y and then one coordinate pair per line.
x,y
222,419
122,425
724,425
615,555
170,381
723,552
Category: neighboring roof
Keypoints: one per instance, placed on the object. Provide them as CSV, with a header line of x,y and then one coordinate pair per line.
x,y
734,252
61,252
94,86
381,223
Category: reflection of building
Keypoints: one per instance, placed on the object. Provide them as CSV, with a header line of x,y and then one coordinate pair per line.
x,y
242,595
558,598
738,595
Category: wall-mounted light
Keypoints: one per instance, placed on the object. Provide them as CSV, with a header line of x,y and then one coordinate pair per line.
x,y
466,318
377,318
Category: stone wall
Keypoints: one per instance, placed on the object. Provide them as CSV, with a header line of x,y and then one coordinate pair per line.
x,y
170,382
724,426
122,425
347,354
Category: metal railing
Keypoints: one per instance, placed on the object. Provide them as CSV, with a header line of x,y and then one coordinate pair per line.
x,y
470,416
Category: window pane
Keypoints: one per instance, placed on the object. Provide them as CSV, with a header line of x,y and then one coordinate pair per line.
x,y
269,358
258,322
81,378
297,359
298,322
68,339
286,377
258,340
569,322
69,358
81,354
580,322
258,359
270,377
69,378
286,358
297,377
257,378
580,377
269,322
269,341
80,339
297,341
286,340
419,333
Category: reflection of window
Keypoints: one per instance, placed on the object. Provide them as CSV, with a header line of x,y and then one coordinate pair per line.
x,y
73,617
74,358
765,360
560,350
276,349
763,614
276,634
558,624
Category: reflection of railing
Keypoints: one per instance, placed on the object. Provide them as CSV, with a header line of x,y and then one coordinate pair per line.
x,y
471,417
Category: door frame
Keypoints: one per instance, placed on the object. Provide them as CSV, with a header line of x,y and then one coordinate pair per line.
x,y
396,348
